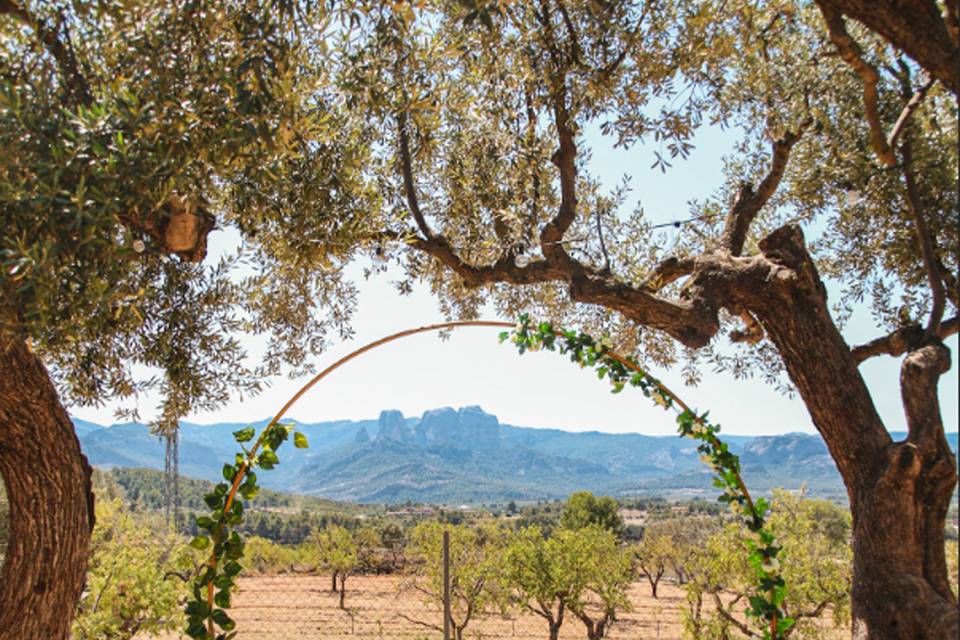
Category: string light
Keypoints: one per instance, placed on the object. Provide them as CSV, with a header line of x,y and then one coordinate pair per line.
x,y
521,260
677,223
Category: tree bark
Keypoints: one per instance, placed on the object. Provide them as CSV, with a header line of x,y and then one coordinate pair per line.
x,y
596,629
915,26
899,491
51,502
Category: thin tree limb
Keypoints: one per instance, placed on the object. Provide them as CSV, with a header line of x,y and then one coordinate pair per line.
x,y
428,625
925,240
409,186
571,32
603,245
852,54
908,111
747,631
748,202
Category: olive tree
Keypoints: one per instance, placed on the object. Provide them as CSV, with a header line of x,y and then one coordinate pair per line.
x,y
583,508
606,566
816,562
476,570
338,554
130,131
134,584
654,555
479,113
343,552
583,572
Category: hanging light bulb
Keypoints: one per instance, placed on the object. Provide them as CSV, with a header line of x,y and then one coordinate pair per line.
x,y
852,197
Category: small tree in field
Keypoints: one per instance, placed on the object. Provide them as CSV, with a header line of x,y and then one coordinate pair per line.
x,y
552,576
476,568
654,554
339,553
606,569
391,536
687,536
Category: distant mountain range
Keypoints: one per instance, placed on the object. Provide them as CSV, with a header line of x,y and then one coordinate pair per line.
x,y
454,456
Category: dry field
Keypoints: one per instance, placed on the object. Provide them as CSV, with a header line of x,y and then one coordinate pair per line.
x,y
292,607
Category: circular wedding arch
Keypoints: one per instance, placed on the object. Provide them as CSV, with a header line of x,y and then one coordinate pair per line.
x,y
691,423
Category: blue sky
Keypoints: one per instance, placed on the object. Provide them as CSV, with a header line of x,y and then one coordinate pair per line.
x,y
543,389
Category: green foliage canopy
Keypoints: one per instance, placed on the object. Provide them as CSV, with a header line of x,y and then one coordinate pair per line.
x,y
583,509
816,557
484,135
476,569
554,575
130,131
135,581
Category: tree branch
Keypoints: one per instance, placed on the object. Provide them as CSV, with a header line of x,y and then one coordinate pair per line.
x,y
77,89
811,613
603,245
428,625
565,159
852,54
571,32
406,167
925,239
908,110
748,202
610,68
747,631
668,271
902,340
918,386
917,27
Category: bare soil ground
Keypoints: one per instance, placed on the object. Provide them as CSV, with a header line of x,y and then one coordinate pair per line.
x,y
291,607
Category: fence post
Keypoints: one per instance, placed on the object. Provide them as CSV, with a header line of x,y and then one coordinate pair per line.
x,y
446,585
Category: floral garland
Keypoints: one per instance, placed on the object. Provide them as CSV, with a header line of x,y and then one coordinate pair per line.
x,y
770,588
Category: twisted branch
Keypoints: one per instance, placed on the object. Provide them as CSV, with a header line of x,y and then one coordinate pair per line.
x,y
748,202
902,340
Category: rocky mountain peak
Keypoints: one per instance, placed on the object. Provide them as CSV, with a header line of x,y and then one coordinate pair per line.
x,y
466,428
393,426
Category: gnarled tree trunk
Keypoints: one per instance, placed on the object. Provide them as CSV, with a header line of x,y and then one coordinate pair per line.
x,y
899,491
51,503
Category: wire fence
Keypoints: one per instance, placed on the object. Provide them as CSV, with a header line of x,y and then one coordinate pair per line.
x,y
384,607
